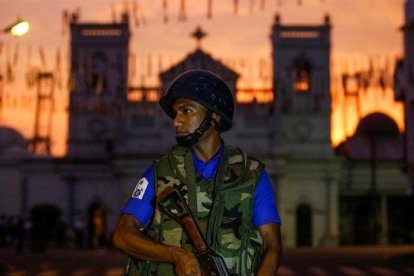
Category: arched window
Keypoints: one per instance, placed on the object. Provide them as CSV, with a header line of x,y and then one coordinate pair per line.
x,y
96,72
301,74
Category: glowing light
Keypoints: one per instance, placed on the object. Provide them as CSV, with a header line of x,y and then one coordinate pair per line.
x,y
139,96
135,96
244,97
152,96
20,28
252,95
301,86
345,117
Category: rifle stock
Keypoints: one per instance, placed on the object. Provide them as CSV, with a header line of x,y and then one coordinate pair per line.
x,y
212,264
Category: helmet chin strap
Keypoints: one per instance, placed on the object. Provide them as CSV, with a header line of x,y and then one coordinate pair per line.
x,y
192,138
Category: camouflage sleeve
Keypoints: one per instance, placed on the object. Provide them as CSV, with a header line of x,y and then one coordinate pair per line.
x,y
264,202
140,205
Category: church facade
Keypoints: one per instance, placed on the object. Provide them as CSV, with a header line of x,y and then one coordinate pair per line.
x,y
116,131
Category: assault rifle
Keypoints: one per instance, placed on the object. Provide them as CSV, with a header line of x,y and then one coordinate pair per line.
x,y
212,264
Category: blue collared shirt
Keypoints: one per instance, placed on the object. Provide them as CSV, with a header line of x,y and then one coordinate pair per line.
x,y
141,205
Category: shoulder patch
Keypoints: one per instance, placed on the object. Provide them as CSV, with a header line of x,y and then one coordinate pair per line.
x,y
140,188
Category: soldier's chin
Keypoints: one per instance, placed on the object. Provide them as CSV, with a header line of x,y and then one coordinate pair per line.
x,y
186,140
180,136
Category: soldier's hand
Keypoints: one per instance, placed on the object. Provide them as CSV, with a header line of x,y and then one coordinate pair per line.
x,y
186,264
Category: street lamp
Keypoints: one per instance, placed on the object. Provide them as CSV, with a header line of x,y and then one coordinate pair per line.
x,y
18,28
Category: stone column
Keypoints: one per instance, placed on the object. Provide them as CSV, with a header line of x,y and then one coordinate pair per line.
x,y
71,182
331,235
24,194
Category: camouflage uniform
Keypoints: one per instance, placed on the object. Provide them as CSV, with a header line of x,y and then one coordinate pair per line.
x,y
225,223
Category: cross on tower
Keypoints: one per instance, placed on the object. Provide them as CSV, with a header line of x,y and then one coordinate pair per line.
x,y
198,34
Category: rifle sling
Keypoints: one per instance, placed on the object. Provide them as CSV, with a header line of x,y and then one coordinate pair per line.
x,y
191,183
215,216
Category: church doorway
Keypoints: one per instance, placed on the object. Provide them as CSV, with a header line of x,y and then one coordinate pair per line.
x,y
357,221
303,225
400,227
46,226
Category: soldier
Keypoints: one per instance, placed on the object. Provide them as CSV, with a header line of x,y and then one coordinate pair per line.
x,y
230,191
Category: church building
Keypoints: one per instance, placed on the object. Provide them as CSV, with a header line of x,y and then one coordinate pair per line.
x,y
115,131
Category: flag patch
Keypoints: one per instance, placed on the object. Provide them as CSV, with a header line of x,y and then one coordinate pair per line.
x,y
139,190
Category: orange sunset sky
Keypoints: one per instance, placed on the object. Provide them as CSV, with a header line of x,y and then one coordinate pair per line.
x,y
363,32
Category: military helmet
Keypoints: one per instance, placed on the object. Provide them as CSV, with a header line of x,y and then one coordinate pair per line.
x,y
205,88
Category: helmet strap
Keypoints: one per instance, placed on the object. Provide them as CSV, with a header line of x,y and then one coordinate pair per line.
x,y
192,138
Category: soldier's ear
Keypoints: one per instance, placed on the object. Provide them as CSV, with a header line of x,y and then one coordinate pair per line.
x,y
215,121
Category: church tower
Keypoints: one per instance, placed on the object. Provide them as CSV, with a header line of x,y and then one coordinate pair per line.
x,y
301,66
404,87
308,182
98,93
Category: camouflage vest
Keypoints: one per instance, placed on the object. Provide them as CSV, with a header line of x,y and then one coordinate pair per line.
x,y
226,223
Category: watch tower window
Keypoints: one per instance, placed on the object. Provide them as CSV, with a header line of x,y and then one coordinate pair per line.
x,y
96,72
301,75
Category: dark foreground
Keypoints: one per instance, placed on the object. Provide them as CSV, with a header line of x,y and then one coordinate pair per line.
x,y
378,260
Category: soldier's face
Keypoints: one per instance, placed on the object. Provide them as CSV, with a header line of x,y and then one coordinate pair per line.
x,y
188,116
